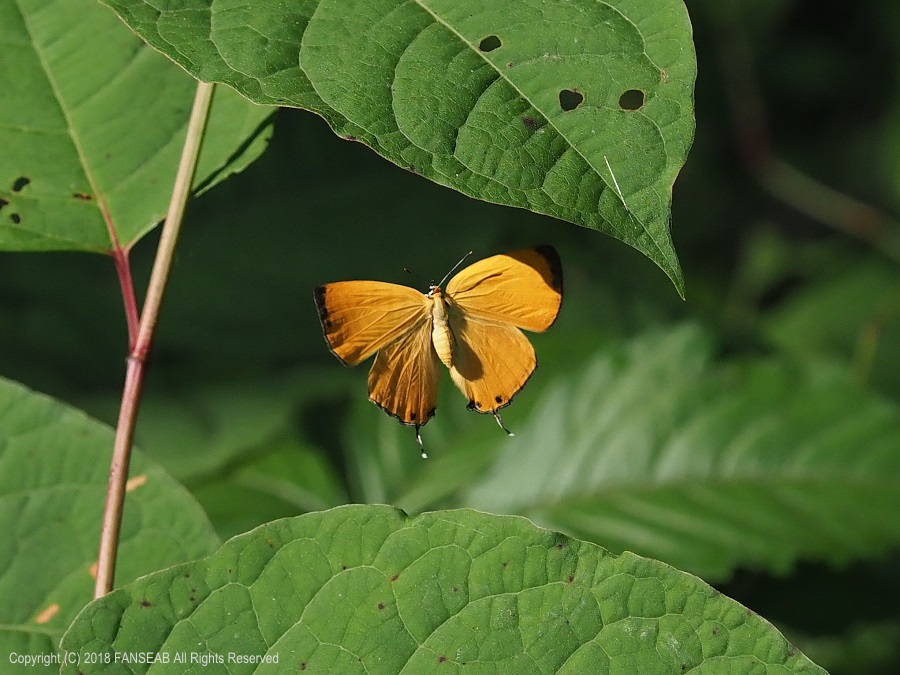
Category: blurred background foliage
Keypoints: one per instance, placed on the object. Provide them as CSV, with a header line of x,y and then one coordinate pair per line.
x,y
798,116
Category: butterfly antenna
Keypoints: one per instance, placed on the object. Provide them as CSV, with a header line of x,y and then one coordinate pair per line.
x,y
419,439
455,267
413,274
500,422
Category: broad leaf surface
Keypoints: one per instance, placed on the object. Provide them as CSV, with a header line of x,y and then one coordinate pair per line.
x,y
384,461
92,122
54,465
285,478
198,431
472,94
867,648
214,316
367,589
853,316
652,449
237,448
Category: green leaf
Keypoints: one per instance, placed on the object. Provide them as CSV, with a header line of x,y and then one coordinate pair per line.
x,y
384,461
654,450
286,478
195,432
473,95
868,648
853,316
383,458
367,589
54,466
236,447
92,122
214,316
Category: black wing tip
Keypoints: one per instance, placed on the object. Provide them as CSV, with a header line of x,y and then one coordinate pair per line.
x,y
319,295
321,305
553,261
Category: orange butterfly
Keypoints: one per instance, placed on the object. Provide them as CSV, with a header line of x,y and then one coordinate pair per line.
x,y
473,329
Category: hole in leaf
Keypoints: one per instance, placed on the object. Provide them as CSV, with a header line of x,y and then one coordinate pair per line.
x,y
15,217
3,202
633,99
19,183
569,99
490,43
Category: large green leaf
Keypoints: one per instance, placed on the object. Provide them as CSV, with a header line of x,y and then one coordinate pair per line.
x,y
54,465
214,316
92,122
383,458
366,589
286,478
653,450
197,431
473,94
873,649
853,315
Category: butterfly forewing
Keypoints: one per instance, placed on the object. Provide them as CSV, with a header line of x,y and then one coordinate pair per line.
x,y
361,317
486,305
522,288
491,361
404,378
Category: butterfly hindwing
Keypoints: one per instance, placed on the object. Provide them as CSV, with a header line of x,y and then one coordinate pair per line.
x,y
491,361
404,378
523,288
484,308
361,317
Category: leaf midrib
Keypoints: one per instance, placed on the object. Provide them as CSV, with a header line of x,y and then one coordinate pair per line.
x,y
54,633
506,79
598,493
73,134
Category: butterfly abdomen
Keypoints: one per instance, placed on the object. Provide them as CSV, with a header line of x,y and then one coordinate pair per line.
x,y
441,336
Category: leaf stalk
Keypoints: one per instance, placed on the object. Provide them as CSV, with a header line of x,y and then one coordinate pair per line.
x,y
140,346
129,299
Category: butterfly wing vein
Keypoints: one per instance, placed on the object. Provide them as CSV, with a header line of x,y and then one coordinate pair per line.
x,y
404,378
361,317
522,288
492,362
487,303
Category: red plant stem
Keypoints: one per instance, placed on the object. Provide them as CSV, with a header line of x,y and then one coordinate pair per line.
x,y
126,282
123,269
134,378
